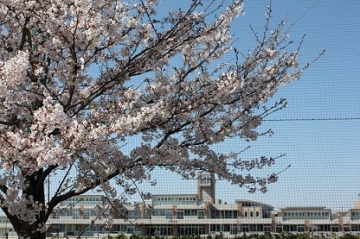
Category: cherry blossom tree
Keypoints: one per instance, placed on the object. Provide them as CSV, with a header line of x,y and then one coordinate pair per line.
x,y
157,79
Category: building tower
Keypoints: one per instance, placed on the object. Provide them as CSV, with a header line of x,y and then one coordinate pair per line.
x,y
206,187
357,204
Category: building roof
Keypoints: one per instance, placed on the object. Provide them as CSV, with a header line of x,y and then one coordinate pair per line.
x,y
303,208
254,203
174,195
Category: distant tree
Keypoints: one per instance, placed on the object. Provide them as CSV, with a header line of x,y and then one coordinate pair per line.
x,y
81,78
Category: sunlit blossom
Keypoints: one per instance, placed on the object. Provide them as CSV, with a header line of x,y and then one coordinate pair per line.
x,y
80,81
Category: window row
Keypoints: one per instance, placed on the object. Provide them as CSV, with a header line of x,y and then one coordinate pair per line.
x,y
181,214
306,214
176,199
252,214
75,214
224,214
311,228
84,199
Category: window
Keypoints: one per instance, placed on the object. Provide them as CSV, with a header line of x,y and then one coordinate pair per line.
x,y
215,214
130,229
354,227
180,215
55,215
257,214
191,212
293,228
168,214
334,228
253,228
159,212
86,214
233,214
251,214
246,228
205,180
201,214
215,228
227,214
93,212
233,229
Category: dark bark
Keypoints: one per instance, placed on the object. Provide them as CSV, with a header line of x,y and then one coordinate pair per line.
x,y
26,229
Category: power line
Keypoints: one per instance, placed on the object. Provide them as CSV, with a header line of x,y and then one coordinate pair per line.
x,y
315,119
304,13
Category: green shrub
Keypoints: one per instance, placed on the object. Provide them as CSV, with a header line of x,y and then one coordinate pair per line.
x,y
121,236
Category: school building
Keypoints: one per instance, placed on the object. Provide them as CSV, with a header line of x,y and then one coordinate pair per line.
x,y
190,214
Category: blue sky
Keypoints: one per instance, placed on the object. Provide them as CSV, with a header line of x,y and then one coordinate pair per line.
x,y
324,154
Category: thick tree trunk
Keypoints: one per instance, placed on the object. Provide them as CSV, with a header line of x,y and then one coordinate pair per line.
x,y
36,190
27,230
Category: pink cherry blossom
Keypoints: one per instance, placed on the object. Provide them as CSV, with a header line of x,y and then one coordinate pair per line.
x,y
80,79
